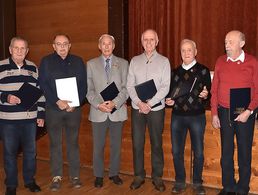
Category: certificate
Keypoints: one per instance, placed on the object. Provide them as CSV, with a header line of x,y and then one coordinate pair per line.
x,y
67,89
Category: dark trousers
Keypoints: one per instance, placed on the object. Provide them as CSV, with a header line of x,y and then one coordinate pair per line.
x,y
14,135
244,137
99,131
179,127
56,122
155,123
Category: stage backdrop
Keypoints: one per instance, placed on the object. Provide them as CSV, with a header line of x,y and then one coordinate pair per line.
x,y
206,22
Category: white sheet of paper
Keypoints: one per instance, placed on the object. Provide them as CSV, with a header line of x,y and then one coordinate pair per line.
x,y
67,90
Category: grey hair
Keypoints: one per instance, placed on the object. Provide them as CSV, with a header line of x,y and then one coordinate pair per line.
x,y
106,35
18,38
242,36
188,41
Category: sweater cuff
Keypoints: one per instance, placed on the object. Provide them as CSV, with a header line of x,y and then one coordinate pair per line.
x,y
4,97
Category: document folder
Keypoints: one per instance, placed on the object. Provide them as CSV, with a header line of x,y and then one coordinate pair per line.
x,y
28,95
239,101
110,93
184,88
146,91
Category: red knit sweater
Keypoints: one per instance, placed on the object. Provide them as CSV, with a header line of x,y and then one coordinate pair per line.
x,y
228,74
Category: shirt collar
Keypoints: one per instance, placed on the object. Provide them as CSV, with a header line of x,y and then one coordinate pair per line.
x,y
15,65
67,58
188,66
241,57
104,59
154,53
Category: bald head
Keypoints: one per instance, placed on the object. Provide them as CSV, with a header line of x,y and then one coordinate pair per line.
x,y
234,42
150,31
149,41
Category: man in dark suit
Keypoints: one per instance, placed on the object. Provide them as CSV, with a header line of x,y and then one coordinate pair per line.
x,y
62,117
101,72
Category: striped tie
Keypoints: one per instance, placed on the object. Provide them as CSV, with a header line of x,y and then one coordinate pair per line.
x,y
107,67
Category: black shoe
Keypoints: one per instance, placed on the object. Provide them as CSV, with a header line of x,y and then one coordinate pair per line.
x,y
10,191
159,185
223,192
137,182
241,193
116,180
33,187
98,182
199,190
178,188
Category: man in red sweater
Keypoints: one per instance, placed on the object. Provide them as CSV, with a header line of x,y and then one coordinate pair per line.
x,y
236,69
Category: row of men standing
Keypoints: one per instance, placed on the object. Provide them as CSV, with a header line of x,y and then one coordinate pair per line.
x,y
188,112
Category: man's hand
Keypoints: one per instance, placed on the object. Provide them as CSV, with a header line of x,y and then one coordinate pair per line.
x,y
243,117
170,102
105,107
204,93
110,104
144,107
40,122
215,122
63,104
70,109
12,99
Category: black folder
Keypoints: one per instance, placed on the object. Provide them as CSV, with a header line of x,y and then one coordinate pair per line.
x,y
109,93
146,91
184,88
28,95
239,101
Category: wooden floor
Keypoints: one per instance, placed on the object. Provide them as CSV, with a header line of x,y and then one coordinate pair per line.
x,y
43,179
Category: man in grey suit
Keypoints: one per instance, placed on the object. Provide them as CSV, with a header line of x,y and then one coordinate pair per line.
x,y
101,72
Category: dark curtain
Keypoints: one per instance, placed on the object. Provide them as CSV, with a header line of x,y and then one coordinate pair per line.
x,y
204,21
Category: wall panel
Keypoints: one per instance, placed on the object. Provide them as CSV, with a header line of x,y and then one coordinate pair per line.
x,y
83,20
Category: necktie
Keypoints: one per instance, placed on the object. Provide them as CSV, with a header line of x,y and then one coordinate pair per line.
x,y
107,67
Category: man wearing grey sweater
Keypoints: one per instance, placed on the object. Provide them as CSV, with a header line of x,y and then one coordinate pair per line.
x,y
149,65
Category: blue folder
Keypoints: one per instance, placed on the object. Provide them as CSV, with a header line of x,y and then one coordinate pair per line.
x,y
28,95
239,101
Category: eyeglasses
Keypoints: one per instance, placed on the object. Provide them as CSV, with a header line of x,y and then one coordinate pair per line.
x,y
21,49
65,44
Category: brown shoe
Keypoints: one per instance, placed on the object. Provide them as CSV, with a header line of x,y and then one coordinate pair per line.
x,y
137,182
159,185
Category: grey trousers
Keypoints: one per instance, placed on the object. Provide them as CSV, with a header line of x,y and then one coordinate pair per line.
x,y
99,131
58,122
154,120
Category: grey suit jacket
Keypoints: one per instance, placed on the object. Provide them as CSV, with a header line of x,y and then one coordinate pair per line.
x,y
97,81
